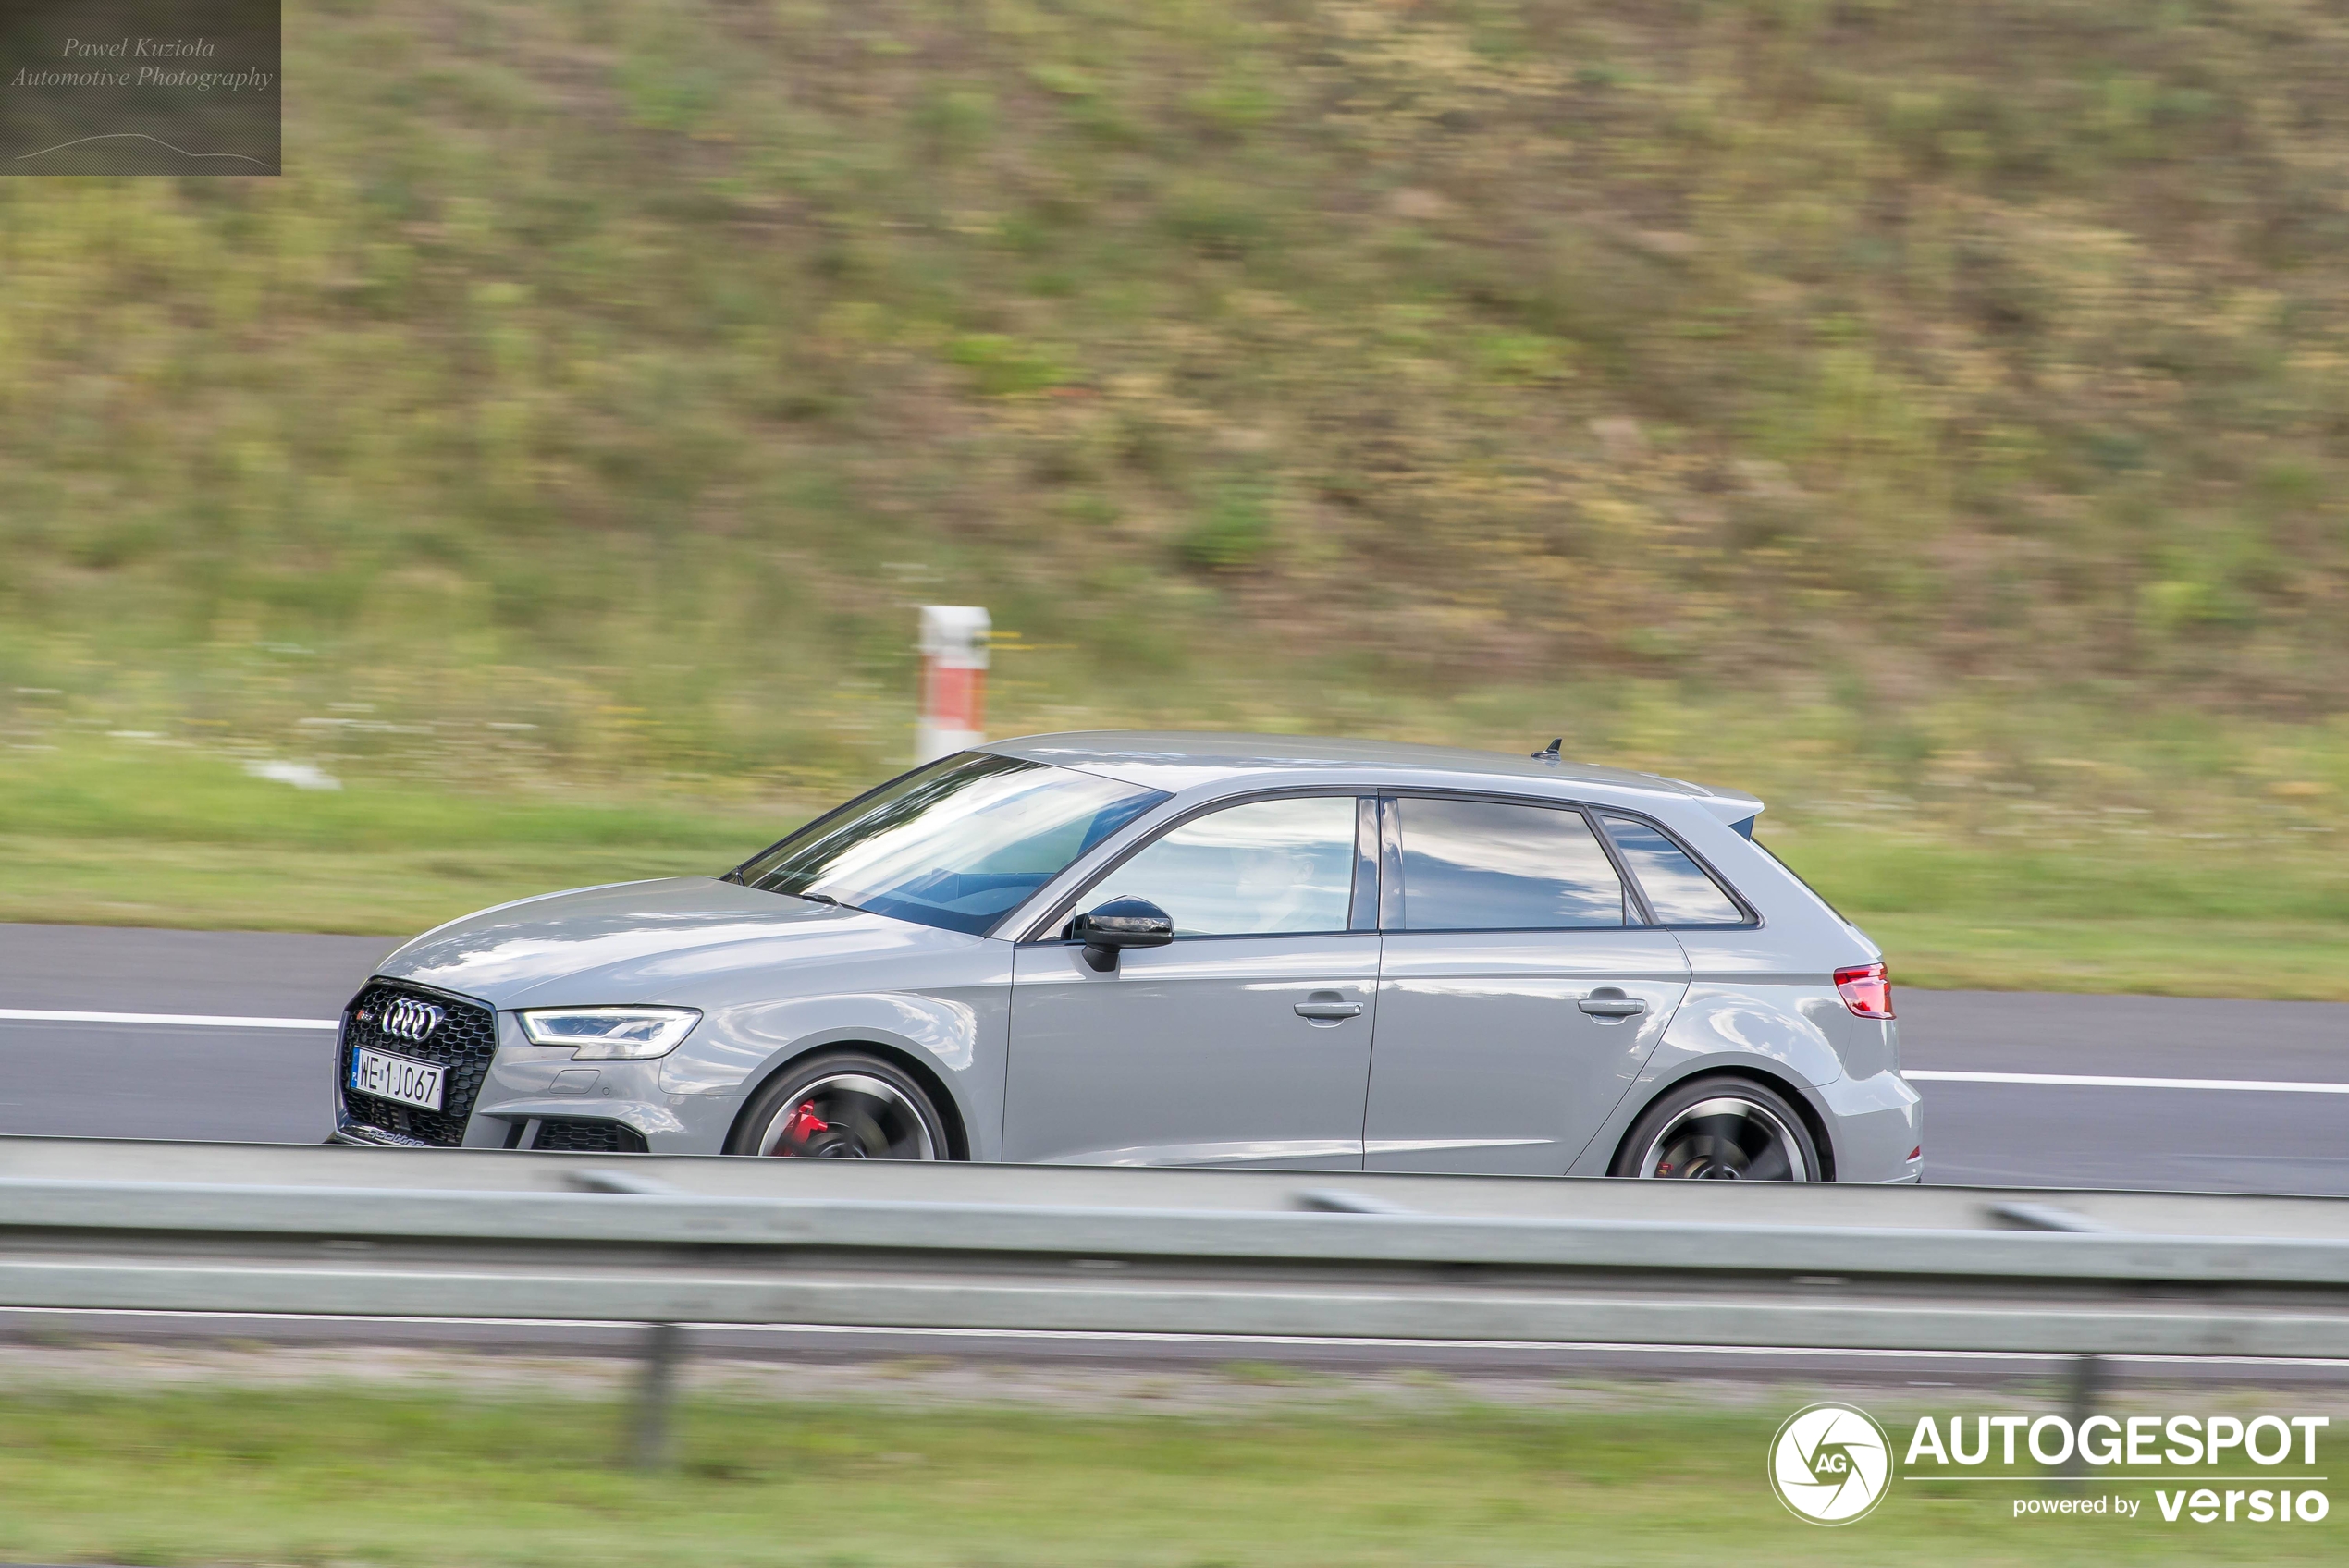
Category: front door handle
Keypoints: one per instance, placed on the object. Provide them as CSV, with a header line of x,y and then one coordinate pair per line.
x,y
1329,1011
1615,1004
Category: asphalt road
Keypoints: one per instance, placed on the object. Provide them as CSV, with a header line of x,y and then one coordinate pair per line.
x,y
147,1080
111,1079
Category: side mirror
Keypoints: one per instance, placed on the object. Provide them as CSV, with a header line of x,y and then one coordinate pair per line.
x,y
1119,924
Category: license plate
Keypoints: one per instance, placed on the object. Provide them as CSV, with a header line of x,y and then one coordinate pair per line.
x,y
397,1078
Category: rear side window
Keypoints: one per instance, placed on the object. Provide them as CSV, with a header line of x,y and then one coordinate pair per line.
x,y
1479,865
1677,889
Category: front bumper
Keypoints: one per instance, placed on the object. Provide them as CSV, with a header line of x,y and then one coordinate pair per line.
x,y
525,1096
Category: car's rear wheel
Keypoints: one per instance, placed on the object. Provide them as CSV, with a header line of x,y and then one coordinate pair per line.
x,y
1720,1129
842,1105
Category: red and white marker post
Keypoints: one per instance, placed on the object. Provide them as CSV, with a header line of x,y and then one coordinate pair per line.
x,y
953,649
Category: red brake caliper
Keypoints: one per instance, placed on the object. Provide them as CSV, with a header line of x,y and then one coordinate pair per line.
x,y
803,1124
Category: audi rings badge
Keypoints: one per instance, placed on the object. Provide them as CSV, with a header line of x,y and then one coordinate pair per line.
x,y
412,1020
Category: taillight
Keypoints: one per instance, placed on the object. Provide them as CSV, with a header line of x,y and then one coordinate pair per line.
x,y
1867,990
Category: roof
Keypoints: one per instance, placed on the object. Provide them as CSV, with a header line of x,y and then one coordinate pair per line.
x,y
1158,753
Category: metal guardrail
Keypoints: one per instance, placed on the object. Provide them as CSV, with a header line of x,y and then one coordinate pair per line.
x,y
96,1224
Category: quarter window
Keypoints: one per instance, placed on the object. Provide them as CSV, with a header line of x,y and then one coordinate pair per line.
x,y
1265,868
1481,865
1677,889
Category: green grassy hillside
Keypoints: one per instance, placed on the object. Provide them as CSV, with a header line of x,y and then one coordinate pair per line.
x,y
1929,416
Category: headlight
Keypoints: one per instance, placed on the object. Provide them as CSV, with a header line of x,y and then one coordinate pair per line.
x,y
610,1034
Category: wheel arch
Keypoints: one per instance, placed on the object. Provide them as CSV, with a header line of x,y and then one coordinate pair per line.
x,y
1815,1121
949,1109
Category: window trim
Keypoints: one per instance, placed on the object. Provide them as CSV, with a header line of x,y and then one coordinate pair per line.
x,y
1390,855
1361,913
1593,815
1753,921
1049,929
1045,930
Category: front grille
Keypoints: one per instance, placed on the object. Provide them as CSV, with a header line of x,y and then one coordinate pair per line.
x,y
464,1042
588,1137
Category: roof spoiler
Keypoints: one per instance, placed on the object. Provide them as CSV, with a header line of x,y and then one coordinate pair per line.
x,y
1732,806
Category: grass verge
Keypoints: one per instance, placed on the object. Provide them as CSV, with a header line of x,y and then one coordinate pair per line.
x,y
175,838
2272,960
351,1475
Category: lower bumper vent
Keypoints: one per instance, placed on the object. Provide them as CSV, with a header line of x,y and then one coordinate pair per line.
x,y
582,1136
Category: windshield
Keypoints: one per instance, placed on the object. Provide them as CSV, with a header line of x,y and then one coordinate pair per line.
x,y
959,844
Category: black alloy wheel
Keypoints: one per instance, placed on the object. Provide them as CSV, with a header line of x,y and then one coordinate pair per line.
x,y
1720,1129
842,1105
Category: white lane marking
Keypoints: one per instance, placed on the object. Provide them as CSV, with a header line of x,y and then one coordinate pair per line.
x,y
173,1020
2094,1081
1921,1075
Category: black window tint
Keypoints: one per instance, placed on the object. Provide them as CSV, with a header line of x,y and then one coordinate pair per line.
x,y
1677,889
1479,865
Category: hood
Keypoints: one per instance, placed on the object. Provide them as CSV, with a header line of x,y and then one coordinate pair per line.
x,y
662,941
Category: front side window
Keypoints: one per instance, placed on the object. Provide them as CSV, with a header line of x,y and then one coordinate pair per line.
x,y
1265,868
1677,889
958,844
1482,865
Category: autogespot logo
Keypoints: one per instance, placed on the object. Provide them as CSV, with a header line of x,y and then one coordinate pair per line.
x,y
1830,1464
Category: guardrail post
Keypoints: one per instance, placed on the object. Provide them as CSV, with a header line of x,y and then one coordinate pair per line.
x,y
2088,1380
655,1397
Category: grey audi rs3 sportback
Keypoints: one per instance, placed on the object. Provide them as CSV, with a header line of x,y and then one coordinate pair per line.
x,y
1178,949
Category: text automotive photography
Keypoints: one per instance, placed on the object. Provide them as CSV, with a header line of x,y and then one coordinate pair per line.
x,y
139,87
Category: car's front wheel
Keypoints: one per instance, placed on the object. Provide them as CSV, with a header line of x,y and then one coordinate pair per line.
x,y
841,1105
1720,1129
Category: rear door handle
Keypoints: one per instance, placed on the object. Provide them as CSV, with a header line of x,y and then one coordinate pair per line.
x,y
1333,1011
1619,1006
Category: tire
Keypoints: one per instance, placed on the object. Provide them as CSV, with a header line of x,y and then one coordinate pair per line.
x,y
841,1105
1720,1129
